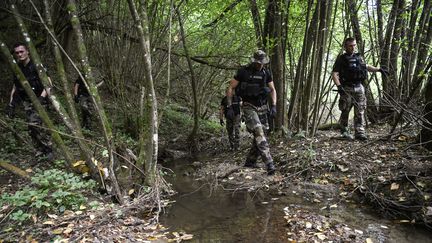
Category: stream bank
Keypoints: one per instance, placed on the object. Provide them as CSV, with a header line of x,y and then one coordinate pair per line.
x,y
325,189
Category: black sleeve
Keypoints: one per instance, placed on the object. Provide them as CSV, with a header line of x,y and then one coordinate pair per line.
x,y
241,75
223,102
338,64
79,81
269,76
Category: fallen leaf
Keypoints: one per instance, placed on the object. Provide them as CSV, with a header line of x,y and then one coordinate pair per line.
x,y
248,177
131,191
67,231
429,211
369,240
48,222
82,207
186,237
421,184
394,186
29,170
342,168
308,225
53,216
78,163
320,236
58,231
92,216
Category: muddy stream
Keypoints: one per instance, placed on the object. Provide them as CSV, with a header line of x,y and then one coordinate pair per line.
x,y
222,215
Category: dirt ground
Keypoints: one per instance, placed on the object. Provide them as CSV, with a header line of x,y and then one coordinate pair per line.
x,y
392,176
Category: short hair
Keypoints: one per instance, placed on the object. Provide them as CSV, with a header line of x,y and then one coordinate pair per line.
x,y
349,39
20,44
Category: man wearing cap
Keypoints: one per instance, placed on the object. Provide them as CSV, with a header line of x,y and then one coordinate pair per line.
x,y
253,84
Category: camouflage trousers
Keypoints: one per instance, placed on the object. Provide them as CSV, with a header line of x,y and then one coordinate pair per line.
x,y
87,109
354,96
40,137
233,129
257,124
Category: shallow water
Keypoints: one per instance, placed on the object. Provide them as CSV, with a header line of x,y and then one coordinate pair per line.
x,y
221,215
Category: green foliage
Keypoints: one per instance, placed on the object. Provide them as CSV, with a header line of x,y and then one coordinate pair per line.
x,y
52,191
177,119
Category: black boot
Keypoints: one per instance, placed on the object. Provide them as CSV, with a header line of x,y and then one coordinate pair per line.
x,y
250,164
270,168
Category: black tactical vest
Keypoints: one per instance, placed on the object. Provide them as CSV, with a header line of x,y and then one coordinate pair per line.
x,y
255,89
32,76
354,70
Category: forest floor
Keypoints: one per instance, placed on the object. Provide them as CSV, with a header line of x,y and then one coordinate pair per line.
x,y
391,176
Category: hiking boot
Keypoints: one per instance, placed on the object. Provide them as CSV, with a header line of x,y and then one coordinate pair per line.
x,y
270,168
346,135
361,137
251,164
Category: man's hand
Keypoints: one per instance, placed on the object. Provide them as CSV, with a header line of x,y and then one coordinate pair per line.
x,y
340,90
230,113
384,71
76,99
43,100
221,121
273,111
10,111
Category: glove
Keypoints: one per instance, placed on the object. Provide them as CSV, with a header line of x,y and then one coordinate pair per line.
x,y
43,100
221,121
384,71
10,111
273,111
230,113
76,99
340,90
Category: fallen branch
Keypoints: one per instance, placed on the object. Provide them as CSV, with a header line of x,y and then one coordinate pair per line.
x,y
13,169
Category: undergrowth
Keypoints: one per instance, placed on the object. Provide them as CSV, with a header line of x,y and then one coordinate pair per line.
x,y
51,191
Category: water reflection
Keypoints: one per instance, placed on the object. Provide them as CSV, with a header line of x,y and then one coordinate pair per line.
x,y
220,215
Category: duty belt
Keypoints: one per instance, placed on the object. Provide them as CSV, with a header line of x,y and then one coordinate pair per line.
x,y
258,109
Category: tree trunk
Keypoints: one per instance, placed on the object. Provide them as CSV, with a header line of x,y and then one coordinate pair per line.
x,y
300,72
277,57
352,12
426,132
193,135
148,115
89,82
257,23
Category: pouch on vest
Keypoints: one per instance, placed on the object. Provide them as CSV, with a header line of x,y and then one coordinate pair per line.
x,y
355,71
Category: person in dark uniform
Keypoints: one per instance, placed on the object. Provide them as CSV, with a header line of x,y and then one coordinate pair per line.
x,y
232,125
254,84
349,72
82,97
41,140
